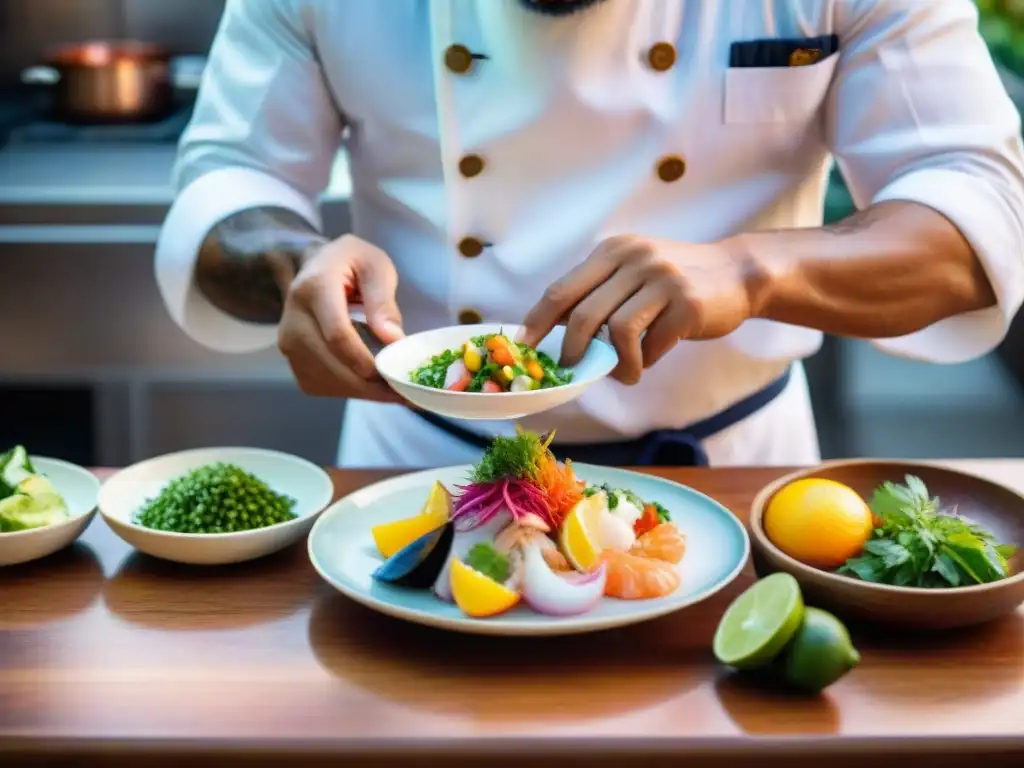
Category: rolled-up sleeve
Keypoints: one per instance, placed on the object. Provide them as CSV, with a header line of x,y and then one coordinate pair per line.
x,y
918,113
264,133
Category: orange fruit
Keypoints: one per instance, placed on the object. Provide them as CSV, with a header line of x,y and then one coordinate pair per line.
x,y
632,577
398,534
818,522
479,595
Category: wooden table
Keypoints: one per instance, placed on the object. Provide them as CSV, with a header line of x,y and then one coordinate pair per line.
x,y
106,653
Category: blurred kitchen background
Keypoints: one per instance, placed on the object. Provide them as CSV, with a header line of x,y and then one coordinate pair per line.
x,y
93,370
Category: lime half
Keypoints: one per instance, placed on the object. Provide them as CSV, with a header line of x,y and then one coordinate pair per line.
x,y
760,622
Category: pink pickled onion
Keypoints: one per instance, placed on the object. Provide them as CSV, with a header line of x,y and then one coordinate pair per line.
x,y
479,502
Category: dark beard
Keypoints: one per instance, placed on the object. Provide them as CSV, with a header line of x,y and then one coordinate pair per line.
x,y
558,7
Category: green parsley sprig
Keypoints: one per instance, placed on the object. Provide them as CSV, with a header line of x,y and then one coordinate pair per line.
x,y
485,559
636,501
919,546
554,374
432,373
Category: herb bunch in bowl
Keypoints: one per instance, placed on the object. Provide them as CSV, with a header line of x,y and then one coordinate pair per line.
x,y
916,544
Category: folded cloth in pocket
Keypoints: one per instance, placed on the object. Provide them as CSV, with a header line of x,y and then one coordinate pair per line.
x,y
782,53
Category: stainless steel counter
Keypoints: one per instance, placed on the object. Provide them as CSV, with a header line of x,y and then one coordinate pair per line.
x,y
83,185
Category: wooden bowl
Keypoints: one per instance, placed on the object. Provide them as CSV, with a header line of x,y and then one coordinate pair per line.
x,y
993,506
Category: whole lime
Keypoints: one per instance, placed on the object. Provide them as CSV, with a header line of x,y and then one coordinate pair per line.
x,y
819,654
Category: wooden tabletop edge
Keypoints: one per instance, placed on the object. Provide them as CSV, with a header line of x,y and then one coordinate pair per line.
x,y
522,746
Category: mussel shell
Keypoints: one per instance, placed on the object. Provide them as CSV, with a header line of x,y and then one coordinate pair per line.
x,y
418,564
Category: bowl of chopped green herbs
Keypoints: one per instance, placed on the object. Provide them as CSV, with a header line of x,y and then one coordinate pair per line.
x,y
481,372
215,506
945,549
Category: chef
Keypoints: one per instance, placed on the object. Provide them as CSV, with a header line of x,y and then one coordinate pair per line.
x,y
655,168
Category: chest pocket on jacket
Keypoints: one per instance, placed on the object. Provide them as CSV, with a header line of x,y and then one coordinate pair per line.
x,y
777,94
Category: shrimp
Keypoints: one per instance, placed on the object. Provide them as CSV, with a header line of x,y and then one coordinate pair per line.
x,y
515,537
663,542
631,577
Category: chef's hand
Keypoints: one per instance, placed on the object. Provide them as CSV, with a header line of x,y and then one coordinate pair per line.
x,y
316,334
650,293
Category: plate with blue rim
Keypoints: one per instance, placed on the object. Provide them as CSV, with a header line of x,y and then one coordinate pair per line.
x,y
342,550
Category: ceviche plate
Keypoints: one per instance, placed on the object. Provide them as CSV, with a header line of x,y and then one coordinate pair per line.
x,y
342,548
397,362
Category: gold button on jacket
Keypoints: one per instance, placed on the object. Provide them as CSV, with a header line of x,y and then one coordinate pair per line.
x,y
671,168
470,247
471,165
662,57
459,59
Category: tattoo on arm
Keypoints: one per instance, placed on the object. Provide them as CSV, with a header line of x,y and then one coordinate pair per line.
x,y
249,259
857,222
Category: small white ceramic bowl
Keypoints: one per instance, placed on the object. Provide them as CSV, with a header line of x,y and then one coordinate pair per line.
x,y
80,489
397,361
124,493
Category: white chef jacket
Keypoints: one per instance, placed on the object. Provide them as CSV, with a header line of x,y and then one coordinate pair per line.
x,y
574,119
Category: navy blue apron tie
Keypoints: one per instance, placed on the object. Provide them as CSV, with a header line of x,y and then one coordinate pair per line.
x,y
660,448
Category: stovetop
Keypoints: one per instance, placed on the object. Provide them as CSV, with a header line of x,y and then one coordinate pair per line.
x,y
24,122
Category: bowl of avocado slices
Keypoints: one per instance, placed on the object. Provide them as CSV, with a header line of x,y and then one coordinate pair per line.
x,y
45,505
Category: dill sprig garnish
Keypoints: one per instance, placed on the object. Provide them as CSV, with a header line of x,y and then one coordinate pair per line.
x,y
516,457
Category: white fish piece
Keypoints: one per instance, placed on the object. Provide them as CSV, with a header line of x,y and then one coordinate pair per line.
x,y
615,533
615,530
626,510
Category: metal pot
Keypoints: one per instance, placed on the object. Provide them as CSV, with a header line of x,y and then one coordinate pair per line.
x,y
108,82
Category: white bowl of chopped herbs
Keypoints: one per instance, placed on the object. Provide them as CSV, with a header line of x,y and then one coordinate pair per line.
x,y
215,505
481,372
45,505
946,549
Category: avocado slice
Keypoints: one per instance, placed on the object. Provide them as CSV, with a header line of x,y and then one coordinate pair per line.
x,y
22,511
12,511
16,466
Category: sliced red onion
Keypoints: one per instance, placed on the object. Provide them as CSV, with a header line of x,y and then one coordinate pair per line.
x,y
478,502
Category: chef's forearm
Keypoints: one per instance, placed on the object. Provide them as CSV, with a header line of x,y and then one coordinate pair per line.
x,y
248,260
887,271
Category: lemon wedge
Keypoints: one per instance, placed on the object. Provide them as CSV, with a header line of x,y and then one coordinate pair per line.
x,y
579,535
478,595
